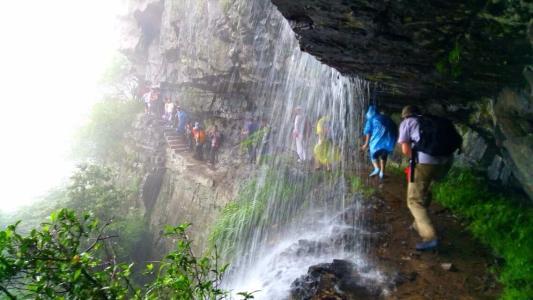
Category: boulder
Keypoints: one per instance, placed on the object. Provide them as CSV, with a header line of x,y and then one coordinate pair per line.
x,y
336,280
514,131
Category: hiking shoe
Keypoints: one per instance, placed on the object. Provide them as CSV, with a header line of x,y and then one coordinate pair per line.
x,y
381,175
427,246
374,173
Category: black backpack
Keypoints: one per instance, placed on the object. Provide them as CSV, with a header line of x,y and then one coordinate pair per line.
x,y
438,136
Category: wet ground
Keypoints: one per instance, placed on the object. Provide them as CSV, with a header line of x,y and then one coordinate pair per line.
x,y
458,270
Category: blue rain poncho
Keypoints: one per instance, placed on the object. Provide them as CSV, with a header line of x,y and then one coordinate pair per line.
x,y
382,130
182,120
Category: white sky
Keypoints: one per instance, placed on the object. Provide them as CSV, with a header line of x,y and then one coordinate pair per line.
x,y
52,54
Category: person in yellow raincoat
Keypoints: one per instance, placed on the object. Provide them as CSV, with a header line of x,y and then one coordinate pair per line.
x,y
325,153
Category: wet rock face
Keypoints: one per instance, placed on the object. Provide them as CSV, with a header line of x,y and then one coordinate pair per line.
x,y
514,134
418,49
336,280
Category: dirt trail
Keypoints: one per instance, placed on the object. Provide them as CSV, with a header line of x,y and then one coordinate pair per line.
x,y
423,273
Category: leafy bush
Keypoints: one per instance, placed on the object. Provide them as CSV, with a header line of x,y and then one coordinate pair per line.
x,y
499,222
58,261
71,258
184,275
254,139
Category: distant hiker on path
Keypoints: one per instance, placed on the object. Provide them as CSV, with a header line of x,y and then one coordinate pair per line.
x,y
300,134
325,152
169,109
380,138
429,142
265,140
182,120
199,139
147,99
189,135
216,138
249,128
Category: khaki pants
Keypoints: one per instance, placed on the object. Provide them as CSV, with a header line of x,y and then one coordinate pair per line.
x,y
418,197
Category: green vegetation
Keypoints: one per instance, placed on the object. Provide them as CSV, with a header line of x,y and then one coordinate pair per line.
x,y
239,214
103,138
254,139
504,225
357,186
249,209
498,21
92,189
71,257
451,64
37,212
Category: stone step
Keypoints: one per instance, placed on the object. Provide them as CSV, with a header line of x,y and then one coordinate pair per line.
x,y
171,136
178,140
178,146
169,130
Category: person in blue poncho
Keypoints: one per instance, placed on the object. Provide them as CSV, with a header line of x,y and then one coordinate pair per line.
x,y
380,138
181,116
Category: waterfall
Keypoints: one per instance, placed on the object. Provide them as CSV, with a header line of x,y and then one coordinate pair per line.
x,y
297,216
289,216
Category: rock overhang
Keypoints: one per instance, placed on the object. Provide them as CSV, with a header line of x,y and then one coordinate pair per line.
x,y
446,51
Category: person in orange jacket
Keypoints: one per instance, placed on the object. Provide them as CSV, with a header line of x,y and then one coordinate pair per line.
x,y
199,139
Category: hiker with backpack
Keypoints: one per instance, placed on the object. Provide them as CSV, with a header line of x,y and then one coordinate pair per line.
x,y
380,138
189,135
199,139
429,142
216,138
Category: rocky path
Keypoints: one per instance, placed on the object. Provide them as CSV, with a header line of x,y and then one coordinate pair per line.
x,y
458,270
183,159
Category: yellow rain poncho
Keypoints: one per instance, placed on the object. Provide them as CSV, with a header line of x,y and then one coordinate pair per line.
x,y
326,153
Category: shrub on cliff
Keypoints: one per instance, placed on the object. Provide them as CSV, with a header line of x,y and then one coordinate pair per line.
x,y
71,257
